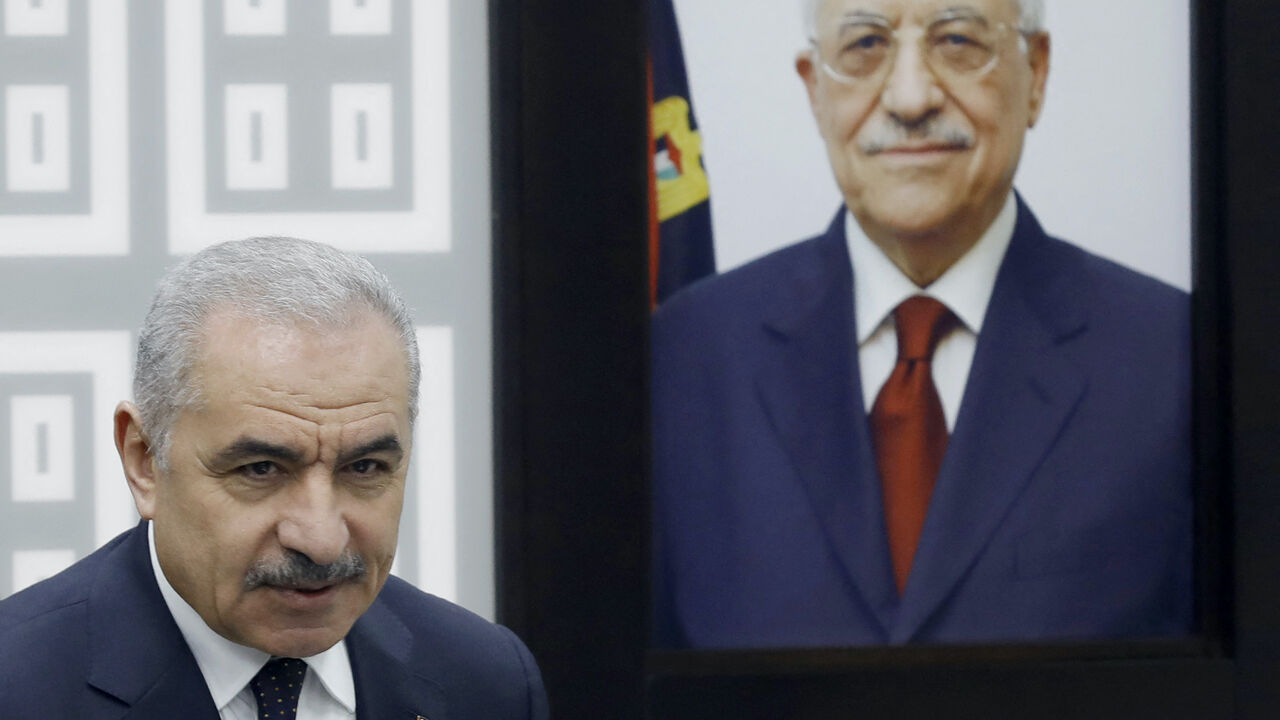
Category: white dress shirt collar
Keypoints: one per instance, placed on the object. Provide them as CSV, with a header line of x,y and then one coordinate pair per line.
x,y
965,288
228,667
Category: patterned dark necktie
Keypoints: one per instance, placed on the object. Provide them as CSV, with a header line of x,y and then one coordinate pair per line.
x,y
276,688
909,429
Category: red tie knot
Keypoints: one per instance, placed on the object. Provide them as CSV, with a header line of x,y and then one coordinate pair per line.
x,y
921,322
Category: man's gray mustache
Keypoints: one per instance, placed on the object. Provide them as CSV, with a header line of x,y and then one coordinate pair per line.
x,y
295,569
896,134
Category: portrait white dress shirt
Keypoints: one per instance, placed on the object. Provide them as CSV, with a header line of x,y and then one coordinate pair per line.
x,y
328,690
965,288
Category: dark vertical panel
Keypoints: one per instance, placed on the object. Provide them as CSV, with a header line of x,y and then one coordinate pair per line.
x,y
1250,97
570,148
1211,320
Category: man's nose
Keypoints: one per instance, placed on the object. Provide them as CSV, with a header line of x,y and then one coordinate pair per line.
x,y
911,92
312,521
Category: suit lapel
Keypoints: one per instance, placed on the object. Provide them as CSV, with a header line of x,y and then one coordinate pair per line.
x,y
810,387
1021,390
137,653
379,646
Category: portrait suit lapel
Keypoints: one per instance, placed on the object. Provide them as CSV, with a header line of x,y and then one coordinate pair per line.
x,y
1021,390
379,646
810,387
137,654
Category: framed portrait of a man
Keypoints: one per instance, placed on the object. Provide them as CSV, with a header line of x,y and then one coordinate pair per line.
x,y
933,421
585,509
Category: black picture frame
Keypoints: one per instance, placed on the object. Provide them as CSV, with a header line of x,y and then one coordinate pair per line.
x,y
571,410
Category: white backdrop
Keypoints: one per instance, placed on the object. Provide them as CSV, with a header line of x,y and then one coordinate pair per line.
x,y
1107,167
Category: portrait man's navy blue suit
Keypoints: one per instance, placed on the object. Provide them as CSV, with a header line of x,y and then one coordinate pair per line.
x,y
1062,508
98,642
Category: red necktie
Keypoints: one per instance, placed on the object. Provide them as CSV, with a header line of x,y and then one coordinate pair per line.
x,y
909,430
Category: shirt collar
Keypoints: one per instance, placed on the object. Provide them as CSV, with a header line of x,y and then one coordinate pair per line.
x,y
965,288
227,666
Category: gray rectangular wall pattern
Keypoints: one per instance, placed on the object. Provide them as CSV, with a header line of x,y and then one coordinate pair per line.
x,y
88,293
63,60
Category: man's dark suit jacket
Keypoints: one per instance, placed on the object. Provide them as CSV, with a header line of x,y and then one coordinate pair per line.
x,y
97,641
1063,507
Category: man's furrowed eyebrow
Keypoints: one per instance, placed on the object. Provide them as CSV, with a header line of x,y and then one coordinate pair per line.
x,y
245,447
388,443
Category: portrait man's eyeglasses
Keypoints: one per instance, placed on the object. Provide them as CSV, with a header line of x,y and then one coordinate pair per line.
x,y
860,48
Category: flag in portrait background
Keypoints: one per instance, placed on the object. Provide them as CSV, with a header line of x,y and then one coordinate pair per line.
x,y
680,243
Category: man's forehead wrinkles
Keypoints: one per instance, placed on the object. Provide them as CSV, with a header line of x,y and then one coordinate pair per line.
x,y
958,12
864,16
931,12
290,412
303,424
308,399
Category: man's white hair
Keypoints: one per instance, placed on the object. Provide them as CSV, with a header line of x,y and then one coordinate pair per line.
x,y
1030,15
271,280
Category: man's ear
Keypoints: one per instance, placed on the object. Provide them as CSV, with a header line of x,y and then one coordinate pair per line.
x,y
136,458
808,72
1038,56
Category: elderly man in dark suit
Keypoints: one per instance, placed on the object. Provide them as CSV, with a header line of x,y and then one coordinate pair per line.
x,y
933,423
276,387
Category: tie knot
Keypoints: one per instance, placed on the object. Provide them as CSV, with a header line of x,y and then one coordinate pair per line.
x,y
276,687
921,322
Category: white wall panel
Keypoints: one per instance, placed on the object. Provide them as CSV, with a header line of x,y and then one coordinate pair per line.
x,y
257,136
359,17
254,17
423,226
434,454
84,138
46,18
360,145
32,566
106,356
41,442
37,138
